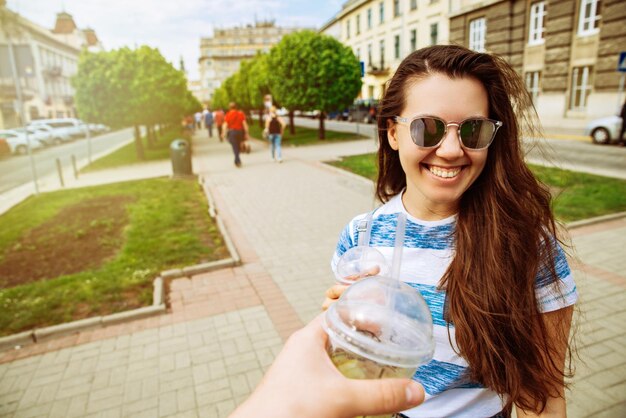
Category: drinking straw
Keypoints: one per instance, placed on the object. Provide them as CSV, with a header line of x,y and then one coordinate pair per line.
x,y
398,246
364,238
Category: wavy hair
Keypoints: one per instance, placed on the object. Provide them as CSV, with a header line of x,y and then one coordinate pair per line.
x,y
504,234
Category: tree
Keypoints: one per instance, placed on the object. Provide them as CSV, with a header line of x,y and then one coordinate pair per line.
x,y
310,71
258,83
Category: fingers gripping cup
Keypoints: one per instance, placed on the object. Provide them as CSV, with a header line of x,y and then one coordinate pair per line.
x,y
380,327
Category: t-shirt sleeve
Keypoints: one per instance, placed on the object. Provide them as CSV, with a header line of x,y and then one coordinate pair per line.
x,y
347,240
556,294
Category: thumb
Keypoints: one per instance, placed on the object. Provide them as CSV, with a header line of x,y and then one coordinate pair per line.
x,y
382,396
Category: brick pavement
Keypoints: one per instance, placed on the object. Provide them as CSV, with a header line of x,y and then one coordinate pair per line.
x,y
224,328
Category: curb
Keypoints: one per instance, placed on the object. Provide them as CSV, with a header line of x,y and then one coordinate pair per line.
x,y
596,220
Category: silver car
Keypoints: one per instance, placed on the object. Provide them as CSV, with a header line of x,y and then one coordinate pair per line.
x,y
604,130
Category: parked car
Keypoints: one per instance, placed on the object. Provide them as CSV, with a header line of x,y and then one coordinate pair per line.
x,y
74,127
58,135
604,130
18,143
39,134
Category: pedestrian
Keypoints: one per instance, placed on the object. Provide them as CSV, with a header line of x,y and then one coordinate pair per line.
x,y
275,126
208,122
218,118
481,243
324,392
620,138
198,118
236,130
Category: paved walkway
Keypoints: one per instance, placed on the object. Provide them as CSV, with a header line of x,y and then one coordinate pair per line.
x,y
224,328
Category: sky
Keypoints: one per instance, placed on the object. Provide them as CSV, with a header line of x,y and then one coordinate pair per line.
x,y
175,27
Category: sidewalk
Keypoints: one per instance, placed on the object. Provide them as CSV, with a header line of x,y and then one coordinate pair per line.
x,y
205,356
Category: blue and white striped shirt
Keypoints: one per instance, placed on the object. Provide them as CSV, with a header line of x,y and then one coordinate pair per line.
x,y
426,256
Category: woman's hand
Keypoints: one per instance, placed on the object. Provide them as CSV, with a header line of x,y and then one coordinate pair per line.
x,y
332,294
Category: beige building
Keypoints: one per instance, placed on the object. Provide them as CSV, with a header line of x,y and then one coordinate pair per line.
x,y
566,50
221,55
45,61
382,32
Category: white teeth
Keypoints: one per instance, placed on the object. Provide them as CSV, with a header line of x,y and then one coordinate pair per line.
x,y
445,173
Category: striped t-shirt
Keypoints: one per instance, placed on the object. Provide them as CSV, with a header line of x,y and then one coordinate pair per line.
x,y
425,258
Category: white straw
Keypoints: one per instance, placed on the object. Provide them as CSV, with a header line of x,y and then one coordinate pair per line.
x,y
399,245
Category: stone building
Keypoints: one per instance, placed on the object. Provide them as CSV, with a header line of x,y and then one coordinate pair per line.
x,y
221,55
382,32
566,50
45,61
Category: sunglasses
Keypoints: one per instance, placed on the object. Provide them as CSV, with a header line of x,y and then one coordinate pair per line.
x,y
429,131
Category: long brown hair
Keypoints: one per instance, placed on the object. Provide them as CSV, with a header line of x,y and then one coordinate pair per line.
x,y
504,235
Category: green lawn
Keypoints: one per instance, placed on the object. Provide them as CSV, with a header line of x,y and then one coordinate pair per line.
x,y
127,154
141,228
576,195
304,136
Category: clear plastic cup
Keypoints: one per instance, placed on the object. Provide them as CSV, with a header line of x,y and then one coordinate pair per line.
x,y
379,328
359,262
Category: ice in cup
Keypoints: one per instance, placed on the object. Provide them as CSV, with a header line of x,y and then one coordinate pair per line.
x,y
379,328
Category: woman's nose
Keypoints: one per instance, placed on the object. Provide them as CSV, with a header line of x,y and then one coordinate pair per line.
x,y
450,147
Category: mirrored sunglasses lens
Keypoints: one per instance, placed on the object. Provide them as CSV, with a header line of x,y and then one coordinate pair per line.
x,y
427,132
477,133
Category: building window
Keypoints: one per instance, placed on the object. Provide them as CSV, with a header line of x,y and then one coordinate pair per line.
x,y
434,33
358,54
396,8
477,32
537,22
413,4
413,39
396,46
348,29
370,91
533,79
581,87
382,11
382,54
369,55
358,24
589,17
369,18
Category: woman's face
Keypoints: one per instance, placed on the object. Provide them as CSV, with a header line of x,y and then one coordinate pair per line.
x,y
437,178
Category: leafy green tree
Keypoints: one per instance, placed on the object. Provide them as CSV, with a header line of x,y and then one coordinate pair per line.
x,y
310,71
258,83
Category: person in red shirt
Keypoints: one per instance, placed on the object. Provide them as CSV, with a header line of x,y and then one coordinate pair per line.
x,y
218,117
236,129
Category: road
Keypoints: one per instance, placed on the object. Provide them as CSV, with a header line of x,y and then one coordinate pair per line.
x,y
568,154
16,170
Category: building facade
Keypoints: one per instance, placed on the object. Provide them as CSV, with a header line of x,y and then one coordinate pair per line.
x,y
221,55
43,62
383,32
566,50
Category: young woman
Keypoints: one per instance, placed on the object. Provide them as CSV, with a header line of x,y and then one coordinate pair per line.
x,y
275,126
480,242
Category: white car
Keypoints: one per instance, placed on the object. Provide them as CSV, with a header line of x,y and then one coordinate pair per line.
x,y
39,134
604,130
17,142
73,127
58,135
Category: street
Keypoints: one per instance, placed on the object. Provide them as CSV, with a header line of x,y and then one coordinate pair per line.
x,y
15,170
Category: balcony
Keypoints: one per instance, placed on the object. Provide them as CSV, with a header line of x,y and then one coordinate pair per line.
x,y
52,71
378,70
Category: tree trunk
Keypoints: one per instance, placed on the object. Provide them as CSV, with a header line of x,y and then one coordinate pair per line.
x,y
149,138
138,144
261,117
322,132
155,132
292,128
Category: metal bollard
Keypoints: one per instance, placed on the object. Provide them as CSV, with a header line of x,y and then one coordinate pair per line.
x,y
74,167
60,172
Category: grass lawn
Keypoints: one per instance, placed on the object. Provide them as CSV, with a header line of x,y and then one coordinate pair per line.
x,y
576,195
93,251
127,154
303,136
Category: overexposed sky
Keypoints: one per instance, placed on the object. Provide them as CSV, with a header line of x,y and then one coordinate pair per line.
x,y
175,27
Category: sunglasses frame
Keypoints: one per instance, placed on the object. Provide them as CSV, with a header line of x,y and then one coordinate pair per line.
x,y
407,122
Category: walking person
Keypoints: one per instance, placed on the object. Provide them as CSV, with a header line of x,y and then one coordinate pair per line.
x,y
620,138
236,130
481,244
218,118
198,119
208,122
275,127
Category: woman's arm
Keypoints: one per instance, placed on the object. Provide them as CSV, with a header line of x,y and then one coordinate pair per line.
x,y
558,326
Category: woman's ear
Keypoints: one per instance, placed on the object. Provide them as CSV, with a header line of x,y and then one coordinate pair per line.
x,y
392,135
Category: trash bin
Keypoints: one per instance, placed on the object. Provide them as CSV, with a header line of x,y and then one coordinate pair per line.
x,y
180,153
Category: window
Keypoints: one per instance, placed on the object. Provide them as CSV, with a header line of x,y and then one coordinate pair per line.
x,y
382,54
589,17
413,4
434,33
358,54
382,11
369,54
413,39
348,29
532,84
537,22
396,8
358,24
581,87
396,46
369,18
477,32
370,91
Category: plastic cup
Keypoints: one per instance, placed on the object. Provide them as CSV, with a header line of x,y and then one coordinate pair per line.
x,y
359,262
379,328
